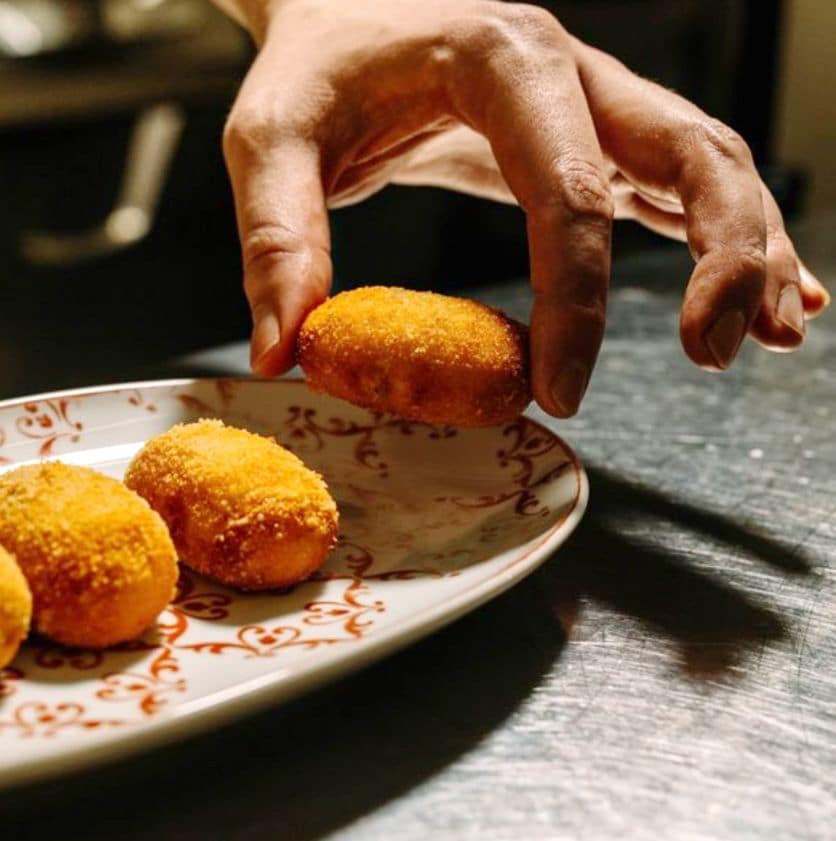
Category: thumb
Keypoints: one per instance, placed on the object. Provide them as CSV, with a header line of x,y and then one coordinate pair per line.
x,y
285,238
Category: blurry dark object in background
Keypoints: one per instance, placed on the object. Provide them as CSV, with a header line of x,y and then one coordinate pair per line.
x,y
75,76
30,28
82,322
87,90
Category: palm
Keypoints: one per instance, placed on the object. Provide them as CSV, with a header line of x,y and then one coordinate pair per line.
x,y
458,158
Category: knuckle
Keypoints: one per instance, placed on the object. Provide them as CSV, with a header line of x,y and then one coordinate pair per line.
x,y
275,255
442,57
245,129
271,242
511,26
584,193
751,263
253,128
590,305
585,298
752,258
717,137
746,269
529,20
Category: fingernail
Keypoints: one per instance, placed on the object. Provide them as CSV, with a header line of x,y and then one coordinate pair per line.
x,y
814,286
790,309
569,387
265,337
724,337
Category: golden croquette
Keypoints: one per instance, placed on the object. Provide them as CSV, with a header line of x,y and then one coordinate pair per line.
x,y
240,508
15,608
99,562
420,355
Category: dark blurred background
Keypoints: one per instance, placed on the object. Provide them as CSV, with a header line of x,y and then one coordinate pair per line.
x,y
117,236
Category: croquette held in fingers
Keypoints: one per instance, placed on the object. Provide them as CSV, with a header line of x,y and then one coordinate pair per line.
x,y
99,562
420,355
15,608
240,508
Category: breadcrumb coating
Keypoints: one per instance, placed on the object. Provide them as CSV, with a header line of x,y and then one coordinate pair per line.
x,y
15,608
98,560
420,355
240,508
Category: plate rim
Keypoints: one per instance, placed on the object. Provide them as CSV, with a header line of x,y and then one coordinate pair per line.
x,y
234,703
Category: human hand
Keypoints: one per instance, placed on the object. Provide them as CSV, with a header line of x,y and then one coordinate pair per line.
x,y
498,100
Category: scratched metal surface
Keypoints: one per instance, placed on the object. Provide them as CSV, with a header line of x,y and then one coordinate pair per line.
x,y
670,674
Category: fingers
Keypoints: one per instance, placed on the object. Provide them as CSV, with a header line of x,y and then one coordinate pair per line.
x,y
285,240
814,297
521,90
747,275
779,324
726,229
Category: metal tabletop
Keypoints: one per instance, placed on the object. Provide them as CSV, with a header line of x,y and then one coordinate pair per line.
x,y
668,674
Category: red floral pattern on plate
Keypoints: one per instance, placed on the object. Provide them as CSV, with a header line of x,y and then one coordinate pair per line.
x,y
303,425
395,533
49,422
136,398
35,718
528,443
347,618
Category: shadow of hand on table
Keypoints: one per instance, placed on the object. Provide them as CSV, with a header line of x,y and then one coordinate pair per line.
x,y
319,764
714,624
614,493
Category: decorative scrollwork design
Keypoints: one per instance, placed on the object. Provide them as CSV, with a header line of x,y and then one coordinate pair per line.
x,y
303,425
49,422
137,398
37,718
205,620
528,443
149,691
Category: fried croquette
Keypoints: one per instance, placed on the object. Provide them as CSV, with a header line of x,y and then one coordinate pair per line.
x,y
420,355
240,508
15,608
99,561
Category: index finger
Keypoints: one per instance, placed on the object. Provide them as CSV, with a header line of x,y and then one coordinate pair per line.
x,y
274,167
283,228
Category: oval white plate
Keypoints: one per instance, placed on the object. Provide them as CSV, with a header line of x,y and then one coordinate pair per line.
x,y
434,522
